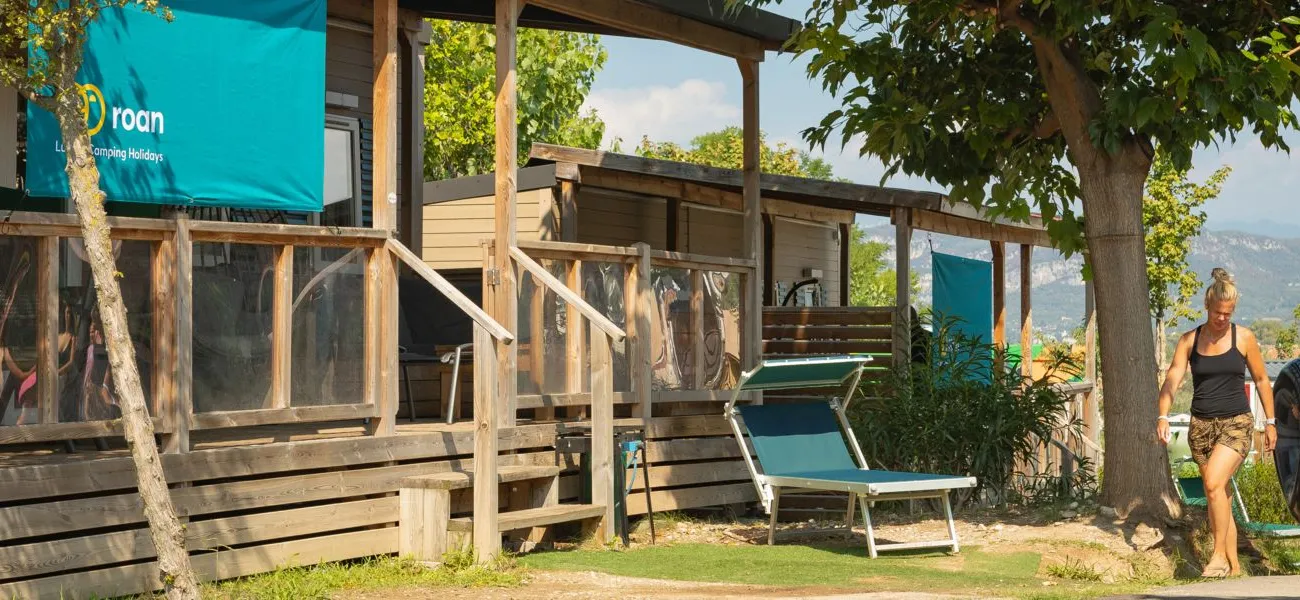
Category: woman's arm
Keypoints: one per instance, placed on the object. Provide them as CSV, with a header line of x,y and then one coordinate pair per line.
x,y
1173,379
1255,362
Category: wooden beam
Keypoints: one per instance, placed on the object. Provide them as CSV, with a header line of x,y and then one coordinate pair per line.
x,y
1026,311
658,24
752,234
639,324
999,293
505,307
414,41
853,196
769,261
697,330
673,222
575,339
568,210
602,431
163,300
487,537
179,418
47,329
281,392
903,287
939,222
1091,408
846,272
384,199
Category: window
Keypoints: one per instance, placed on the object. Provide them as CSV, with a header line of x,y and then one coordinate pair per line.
x,y
342,173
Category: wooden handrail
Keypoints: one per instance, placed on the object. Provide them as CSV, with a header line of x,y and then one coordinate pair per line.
x,y
460,300
700,261
597,320
574,251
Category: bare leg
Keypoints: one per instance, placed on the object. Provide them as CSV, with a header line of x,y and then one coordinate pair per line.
x,y
1215,474
1234,565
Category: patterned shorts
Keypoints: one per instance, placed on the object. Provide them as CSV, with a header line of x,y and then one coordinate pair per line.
x,y
1206,433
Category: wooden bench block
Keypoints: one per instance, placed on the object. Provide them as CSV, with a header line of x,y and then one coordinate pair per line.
x,y
535,517
458,480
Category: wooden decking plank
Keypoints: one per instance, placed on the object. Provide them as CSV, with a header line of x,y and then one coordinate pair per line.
x,y
88,513
141,578
30,560
83,476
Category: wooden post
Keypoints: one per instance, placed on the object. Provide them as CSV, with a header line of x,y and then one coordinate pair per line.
x,y
575,339
415,36
381,341
903,287
506,311
163,292
8,136
282,331
639,301
487,536
999,299
672,221
602,431
568,210
384,203
1026,311
381,299
846,272
697,330
1091,410
753,226
178,441
47,329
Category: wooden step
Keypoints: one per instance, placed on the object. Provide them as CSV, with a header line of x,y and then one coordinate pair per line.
x,y
457,480
535,517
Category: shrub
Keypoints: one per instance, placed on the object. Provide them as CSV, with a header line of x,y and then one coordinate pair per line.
x,y
1262,493
956,413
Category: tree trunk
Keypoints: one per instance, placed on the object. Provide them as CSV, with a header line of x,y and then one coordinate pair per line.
x,y
176,575
1160,351
1137,481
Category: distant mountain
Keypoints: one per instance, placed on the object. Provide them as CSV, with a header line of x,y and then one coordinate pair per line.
x,y
1267,271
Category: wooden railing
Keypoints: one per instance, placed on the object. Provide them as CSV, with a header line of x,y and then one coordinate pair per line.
x,y
654,374
243,261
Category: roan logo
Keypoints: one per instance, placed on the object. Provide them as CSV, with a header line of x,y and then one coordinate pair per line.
x,y
98,113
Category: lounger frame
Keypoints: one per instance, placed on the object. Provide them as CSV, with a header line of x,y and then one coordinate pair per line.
x,y
861,495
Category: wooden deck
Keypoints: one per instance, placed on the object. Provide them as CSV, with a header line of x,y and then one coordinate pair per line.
x,y
282,495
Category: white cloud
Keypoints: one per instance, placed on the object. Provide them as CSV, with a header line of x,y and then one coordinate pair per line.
x,y
663,113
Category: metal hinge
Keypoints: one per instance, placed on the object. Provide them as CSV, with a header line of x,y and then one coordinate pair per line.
x,y
493,276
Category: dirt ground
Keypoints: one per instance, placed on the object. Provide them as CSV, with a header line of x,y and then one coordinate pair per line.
x,y
1115,551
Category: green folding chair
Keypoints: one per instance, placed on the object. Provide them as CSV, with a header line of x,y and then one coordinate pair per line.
x,y
1192,491
803,446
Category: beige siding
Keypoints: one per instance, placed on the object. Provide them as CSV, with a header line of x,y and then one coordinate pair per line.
x,y
617,220
453,230
805,245
710,232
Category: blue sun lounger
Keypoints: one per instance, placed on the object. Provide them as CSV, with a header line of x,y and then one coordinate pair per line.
x,y
802,446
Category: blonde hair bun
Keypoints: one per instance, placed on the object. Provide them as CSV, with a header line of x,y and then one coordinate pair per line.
x,y
1223,288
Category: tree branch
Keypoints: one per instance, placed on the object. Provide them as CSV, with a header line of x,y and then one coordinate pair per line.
x,y
1004,11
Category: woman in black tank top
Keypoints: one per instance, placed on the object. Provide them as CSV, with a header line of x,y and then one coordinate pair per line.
x,y
1219,353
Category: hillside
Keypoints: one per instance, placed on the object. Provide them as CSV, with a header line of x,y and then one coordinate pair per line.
x,y
1267,271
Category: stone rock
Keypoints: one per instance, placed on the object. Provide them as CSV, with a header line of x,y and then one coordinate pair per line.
x,y
1146,537
1108,512
1069,514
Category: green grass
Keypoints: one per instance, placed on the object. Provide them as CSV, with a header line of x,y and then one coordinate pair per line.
x,y
972,571
320,582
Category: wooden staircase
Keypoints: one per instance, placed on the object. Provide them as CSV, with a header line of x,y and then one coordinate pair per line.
x,y
427,530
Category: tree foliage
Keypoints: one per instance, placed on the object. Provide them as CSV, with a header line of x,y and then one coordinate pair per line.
x,y
872,279
955,90
1172,217
1024,105
725,148
42,45
555,71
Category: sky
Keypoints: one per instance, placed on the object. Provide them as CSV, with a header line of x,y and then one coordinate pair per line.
x,y
673,93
